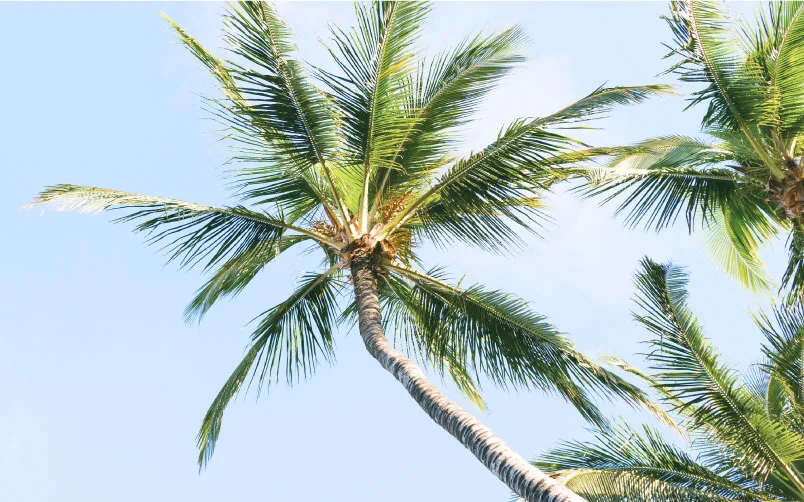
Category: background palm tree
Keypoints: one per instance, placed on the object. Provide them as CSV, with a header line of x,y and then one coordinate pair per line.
x,y
742,181
749,434
362,173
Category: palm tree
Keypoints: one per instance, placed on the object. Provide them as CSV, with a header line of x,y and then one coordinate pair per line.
x,y
361,170
748,433
742,180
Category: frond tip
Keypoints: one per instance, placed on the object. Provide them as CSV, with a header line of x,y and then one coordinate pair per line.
x,y
95,200
191,233
601,101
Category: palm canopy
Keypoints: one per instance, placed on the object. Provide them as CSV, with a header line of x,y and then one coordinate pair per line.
x,y
748,432
365,161
742,180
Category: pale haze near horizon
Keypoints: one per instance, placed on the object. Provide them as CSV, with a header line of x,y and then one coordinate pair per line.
x,y
103,384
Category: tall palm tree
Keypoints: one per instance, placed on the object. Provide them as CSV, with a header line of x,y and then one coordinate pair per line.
x,y
361,170
748,433
742,180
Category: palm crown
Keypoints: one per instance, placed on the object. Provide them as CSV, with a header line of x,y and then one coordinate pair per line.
x,y
364,164
749,434
743,182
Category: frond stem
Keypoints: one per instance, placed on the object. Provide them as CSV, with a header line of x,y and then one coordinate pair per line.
x,y
363,211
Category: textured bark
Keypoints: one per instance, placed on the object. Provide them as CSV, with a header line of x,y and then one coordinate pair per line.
x,y
526,480
787,194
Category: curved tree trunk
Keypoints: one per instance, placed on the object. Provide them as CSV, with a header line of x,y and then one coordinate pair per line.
x,y
526,480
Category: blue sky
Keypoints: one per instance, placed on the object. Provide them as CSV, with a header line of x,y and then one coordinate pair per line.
x,y
103,385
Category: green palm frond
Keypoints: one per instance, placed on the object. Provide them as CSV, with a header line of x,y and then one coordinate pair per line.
x,y
666,396
235,274
289,106
659,179
290,338
608,486
709,54
478,190
601,101
708,391
450,89
793,278
405,324
627,464
495,335
447,92
734,236
748,437
213,419
777,47
284,112
784,353
282,123
749,176
492,229
741,156
463,380
215,66
296,195
473,197
191,233
295,112
376,61
789,79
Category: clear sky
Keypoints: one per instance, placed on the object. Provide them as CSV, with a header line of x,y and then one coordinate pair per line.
x,y
102,384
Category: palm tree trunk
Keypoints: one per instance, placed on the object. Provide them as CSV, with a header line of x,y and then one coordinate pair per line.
x,y
526,480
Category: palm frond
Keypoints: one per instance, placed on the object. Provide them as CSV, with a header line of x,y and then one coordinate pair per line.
x,y
405,325
213,419
478,189
705,389
295,194
492,229
281,121
236,273
288,103
709,54
749,440
449,91
784,352
218,69
734,236
375,60
786,35
191,233
496,335
290,338
278,90
476,192
600,102
446,93
627,464
793,278
661,178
